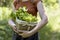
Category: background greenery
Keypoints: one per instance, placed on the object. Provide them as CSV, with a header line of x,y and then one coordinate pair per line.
x,y
50,32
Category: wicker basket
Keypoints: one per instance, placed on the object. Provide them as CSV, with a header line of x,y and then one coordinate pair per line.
x,y
23,25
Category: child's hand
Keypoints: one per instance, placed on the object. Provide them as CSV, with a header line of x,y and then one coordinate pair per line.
x,y
15,29
25,34
13,25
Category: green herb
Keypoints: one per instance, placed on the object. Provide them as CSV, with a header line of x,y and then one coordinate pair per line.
x,y
22,14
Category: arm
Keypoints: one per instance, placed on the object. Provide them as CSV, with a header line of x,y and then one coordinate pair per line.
x,y
16,4
44,19
42,23
11,23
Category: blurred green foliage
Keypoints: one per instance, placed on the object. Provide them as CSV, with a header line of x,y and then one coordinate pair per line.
x,y
5,3
50,2
5,30
50,32
46,2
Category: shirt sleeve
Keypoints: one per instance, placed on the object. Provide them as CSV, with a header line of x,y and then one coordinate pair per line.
x,y
11,23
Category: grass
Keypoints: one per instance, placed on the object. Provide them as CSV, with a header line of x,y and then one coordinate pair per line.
x,y
49,32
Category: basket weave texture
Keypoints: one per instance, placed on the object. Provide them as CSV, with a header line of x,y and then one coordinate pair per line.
x,y
23,25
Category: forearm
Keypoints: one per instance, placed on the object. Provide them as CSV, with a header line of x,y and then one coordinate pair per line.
x,y
40,25
11,22
44,18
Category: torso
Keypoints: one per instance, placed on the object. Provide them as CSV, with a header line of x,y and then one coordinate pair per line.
x,y
32,9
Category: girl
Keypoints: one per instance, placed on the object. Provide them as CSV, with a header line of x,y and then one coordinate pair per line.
x,y
33,7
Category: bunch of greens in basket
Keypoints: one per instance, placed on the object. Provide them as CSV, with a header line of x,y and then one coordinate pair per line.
x,y
23,15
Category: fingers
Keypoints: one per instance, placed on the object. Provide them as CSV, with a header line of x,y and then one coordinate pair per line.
x,y
21,32
15,29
